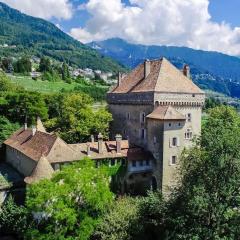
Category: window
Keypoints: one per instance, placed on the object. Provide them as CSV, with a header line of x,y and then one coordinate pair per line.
x,y
173,160
128,116
134,163
188,134
123,161
189,117
179,124
142,117
174,142
154,140
147,162
169,124
141,163
143,133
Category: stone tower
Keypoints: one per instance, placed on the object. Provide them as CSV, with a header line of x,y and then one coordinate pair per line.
x,y
158,108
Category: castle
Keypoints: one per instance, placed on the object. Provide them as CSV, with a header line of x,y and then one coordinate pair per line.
x,y
156,109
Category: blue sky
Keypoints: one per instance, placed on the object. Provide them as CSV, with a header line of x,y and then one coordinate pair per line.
x,y
211,25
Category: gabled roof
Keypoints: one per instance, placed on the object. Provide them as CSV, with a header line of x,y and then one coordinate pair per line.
x,y
42,170
166,113
33,146
163,77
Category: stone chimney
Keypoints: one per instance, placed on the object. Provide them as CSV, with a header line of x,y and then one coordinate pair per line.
x,y
147,68
92,138
25,126
34,130
118,143
88,149
100,143
186,71
119,79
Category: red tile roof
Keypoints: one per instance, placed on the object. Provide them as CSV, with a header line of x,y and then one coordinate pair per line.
x,y
163,77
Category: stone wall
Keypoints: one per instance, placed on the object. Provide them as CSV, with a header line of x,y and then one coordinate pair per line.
x,y
19,161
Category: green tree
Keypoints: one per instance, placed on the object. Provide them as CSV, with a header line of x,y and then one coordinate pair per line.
x,y
75,119
45,65
6,128
75,201
206,203
65,73
13,219
120,222
23,65
5,84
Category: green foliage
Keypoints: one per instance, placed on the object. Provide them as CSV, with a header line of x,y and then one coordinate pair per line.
x,y
13,219
17,105
206,203
74,203
120,223
34,36
74,118
45,65
5,84
211,103
65,73
6,128
23,65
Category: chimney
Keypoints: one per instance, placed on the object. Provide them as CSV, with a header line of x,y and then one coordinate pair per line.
x,y
147,68
100,143
119,78
92,138
34,130
25,126
118,143
88,149
186,71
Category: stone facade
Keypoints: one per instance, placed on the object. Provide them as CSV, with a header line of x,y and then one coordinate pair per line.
x,y
164,138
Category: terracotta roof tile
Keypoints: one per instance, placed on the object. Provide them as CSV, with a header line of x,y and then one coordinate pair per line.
x,y
163,77
32,146
166,113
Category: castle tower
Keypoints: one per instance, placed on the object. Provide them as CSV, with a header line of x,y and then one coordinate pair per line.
x,y
158,107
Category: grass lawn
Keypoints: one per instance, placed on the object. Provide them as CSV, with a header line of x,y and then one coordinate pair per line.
x,y
44,86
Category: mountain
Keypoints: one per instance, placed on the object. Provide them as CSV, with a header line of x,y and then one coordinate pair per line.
x,y
210,70
33,36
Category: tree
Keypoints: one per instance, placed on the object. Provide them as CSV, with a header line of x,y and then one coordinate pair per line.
x,y
23,65
45,65
121,222
75,119
6,128
76,199
206,203
5,84
13,219
17,105
65,73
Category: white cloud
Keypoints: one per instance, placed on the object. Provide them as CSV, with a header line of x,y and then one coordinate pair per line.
x,y
168,22
61,9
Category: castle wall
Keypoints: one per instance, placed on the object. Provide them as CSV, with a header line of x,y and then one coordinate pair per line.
x,y
19,161
127,122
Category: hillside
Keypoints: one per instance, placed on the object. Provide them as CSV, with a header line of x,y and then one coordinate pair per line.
x,y
33,36
210,70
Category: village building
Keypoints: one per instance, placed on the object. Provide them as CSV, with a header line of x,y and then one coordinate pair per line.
x,y
157,110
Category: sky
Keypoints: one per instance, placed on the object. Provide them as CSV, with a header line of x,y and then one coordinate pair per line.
x,y
212,25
